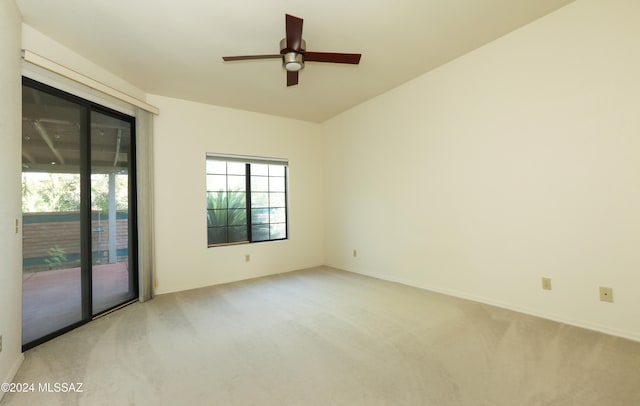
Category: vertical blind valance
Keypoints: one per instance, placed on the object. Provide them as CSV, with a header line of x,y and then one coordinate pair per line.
x,y
61,70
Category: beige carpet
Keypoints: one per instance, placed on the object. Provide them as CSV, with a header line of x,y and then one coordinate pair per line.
x,y
327,337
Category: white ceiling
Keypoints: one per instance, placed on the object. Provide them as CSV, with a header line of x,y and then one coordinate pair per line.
x,y
175,48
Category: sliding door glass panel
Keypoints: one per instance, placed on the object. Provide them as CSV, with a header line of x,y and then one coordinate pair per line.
x,y
51,145
112,276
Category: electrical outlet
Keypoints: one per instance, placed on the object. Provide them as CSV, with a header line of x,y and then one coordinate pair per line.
x,y
546,283
0,343
355,253
17,229
606,294
247,257
155,282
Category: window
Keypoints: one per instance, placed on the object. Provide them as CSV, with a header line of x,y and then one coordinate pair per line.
x,y
246,199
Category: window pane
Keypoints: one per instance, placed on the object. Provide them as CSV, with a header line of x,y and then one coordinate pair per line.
x,y
237,234
276,200
216,200
259,169
217,235
259,184
276,170
259,216
227,195
237,200
236,183
278,215
260,233
259,199
276,184
216,183
237,217
216,218
218,167
278,231
236,168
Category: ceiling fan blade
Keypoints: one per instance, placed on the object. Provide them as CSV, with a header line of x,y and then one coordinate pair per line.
x,y
247,57
332,57
294,32
292,78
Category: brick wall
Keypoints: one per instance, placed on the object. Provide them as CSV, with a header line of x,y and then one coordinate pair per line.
x,y
43,231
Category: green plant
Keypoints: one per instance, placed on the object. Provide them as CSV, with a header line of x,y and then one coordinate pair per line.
x,y
56,257
226,208
226,216
49,192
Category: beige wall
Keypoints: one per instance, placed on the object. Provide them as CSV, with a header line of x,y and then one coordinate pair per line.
x,y
184,133
10,210
516,161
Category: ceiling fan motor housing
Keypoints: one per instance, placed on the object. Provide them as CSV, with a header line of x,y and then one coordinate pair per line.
x,y
292,60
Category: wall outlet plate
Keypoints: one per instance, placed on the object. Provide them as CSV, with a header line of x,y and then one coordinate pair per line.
x,y
0,343
355,253
606,294
546,283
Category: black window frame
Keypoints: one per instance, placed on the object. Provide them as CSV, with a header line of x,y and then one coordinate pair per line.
x,y
249,225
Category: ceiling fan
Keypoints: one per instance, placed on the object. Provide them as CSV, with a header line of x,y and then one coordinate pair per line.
x,y
293,52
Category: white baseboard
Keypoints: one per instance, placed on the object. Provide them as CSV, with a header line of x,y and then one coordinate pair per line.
x,y
520,309
12,372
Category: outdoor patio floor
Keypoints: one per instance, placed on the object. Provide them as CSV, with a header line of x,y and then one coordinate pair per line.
x,y
52,300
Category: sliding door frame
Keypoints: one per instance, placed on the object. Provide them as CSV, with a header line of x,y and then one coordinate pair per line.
x,y
86,274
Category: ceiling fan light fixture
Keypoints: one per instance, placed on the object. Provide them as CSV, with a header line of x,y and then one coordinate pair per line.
x,y
293,61
293,52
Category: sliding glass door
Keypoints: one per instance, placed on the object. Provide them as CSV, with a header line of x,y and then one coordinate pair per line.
x,y
51,196
113,282
78,201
